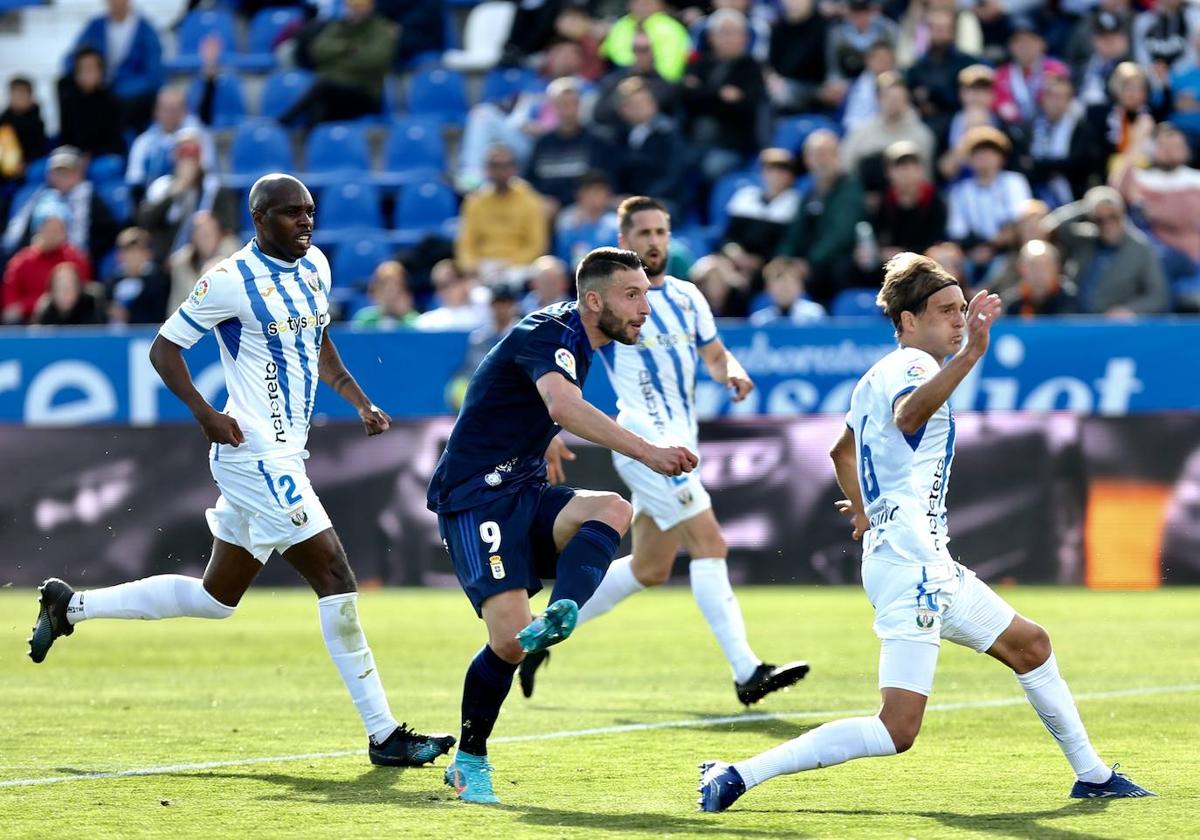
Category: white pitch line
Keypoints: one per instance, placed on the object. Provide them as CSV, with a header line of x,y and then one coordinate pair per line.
x,y
599,730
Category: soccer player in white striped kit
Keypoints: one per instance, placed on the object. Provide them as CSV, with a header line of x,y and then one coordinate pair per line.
x,y
269,307
655,381
893,463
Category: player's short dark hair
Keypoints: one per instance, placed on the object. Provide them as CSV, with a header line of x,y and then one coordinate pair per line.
x,y
909,280
636,204
598,266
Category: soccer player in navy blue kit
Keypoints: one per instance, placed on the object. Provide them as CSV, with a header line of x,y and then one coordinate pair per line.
x,y
503,523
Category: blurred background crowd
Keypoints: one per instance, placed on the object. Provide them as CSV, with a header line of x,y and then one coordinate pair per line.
x,y
464,155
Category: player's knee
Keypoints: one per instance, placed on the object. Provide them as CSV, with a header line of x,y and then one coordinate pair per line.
x,y
653,574
615,512
337,578
1036,649
903,733
507,649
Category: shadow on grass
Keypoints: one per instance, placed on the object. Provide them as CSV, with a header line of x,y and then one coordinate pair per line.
x,y
660,824
779,729
1025,825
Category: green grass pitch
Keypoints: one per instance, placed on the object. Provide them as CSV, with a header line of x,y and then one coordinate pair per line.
x,y
120,696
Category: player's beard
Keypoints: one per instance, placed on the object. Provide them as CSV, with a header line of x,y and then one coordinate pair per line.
x,y
656,268
614,327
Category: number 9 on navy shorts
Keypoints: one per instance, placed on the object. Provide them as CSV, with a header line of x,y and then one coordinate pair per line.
x,y
506,543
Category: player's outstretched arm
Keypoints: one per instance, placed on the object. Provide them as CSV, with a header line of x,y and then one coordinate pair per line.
x,y
570,410
724,367
913,410
845,468
168,361
333,373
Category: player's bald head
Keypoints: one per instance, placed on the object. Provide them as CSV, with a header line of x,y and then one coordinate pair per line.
x,y
276,190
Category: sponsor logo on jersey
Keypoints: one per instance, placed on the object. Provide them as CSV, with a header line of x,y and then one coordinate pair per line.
x,y
267,292
926,618
299,518
199,291
566,361
275,401
297,323
497,565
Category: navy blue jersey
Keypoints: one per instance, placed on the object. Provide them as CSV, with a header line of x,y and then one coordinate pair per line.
x,y
498,443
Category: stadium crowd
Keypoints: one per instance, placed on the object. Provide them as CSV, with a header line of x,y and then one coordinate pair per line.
x,y
1039,149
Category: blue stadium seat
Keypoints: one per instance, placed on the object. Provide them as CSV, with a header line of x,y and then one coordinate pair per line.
x,y
264,28
115,195
349,205
197,25
337,148
281,90
107,168
356,259
414,149
791,132
258,147
425,207
502,82
229,107
439,93
722,191
855,303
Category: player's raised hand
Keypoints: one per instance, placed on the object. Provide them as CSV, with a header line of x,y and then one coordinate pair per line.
x,y
556,453
859,524
221,428
375,420
982,312
741,387
671,460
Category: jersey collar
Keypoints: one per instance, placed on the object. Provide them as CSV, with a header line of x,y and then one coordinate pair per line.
x,y
272,261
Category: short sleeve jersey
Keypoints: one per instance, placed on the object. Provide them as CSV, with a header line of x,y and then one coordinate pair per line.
x,y
903,478
269,317
655,379
499,441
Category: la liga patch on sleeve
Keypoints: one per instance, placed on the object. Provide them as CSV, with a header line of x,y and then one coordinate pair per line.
x,y
565,360
914,372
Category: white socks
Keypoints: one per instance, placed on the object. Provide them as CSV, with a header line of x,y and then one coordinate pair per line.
x,y
618,584
714,595
825,746
1048,693
162,596
349,651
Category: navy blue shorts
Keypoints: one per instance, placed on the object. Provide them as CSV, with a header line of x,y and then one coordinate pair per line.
x,y
505,544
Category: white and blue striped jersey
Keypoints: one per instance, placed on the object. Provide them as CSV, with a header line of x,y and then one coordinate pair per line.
x,y
903,478
269,317
655,379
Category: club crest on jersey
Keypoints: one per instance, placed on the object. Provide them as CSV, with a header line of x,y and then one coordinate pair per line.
x,y
492,479
311,278
566,361
299,518
199,291
497,565
926,618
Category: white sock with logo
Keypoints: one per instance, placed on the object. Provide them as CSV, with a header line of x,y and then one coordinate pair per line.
x,y
832,743
347,646
714,595
618,584
1051,698
152,598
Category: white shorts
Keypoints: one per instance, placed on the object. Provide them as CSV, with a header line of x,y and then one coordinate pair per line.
x,y
265,506
923,605
668,500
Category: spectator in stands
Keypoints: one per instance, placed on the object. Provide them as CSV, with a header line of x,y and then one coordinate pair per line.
x,y
1184,87
796,58
1130,121
758,17
897,120
951,257
462,305
90,225
140,289
420,28
1163,38
27,275
151,155
912,215
590,222
759,215
172,200
607,110
503,316
961,32
1081,43
351,56
934,77
849,39
548,284
861,102
722,286
980,207
208,244
69,302
651,154
1041,290
1019,83
562,156
132,56
1114,267
785,287
22,132
723,95
668,38
1110,46
1004,273
1167,194
391,304
89,113
1065,153
822,235
502,223
977,93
